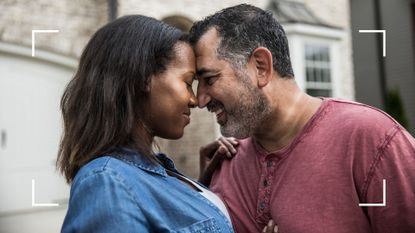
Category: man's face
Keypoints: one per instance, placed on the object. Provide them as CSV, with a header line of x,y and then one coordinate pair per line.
x,y
231,94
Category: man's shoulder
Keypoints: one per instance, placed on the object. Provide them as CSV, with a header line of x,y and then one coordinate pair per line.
x,y
245,143
246,152
350,114
245,157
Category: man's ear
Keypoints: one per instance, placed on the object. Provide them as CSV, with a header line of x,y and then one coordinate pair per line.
x,y
261,60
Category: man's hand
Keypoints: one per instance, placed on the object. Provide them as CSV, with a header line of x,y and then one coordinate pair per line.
x,y
212,155
271,227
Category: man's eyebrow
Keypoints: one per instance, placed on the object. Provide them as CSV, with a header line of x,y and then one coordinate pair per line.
x,y
202,71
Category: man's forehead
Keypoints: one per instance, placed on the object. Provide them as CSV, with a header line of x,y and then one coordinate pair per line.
x,y
208,42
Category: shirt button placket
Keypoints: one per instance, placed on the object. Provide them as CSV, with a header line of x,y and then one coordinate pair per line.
x,y
262,205
268,164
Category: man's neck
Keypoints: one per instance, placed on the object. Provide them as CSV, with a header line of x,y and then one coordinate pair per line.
x,y
292,112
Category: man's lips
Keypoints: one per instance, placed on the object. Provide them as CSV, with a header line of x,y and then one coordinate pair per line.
x,y
220,114
218,111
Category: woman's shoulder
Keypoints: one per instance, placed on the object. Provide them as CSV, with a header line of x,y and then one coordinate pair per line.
x,y
105,169
102,197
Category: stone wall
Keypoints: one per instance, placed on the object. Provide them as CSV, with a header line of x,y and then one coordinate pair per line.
x,y
76,21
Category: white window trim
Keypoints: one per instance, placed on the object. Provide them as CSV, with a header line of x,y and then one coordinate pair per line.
x,y
320,85
301,34
314,31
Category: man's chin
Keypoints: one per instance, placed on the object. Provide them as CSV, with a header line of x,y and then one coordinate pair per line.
x,y
235,132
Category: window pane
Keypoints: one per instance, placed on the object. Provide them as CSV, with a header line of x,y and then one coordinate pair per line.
x,y
308,53
315,53
317,74
318,71
320,53
310,74
325,53
326,75
319,92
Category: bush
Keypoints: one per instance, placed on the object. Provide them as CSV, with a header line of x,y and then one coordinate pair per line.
x,y
394,107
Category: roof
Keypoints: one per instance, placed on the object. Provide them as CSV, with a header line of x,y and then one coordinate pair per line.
x,y
294,12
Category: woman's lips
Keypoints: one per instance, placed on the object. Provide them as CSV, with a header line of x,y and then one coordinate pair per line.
x,y
186,118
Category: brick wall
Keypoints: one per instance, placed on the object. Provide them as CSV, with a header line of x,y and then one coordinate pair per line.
x,y
76,20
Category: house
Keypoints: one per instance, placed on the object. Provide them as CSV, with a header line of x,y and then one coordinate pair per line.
x,y
31,86
377,77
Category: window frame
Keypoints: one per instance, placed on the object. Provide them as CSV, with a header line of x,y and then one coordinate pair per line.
x,y
299,35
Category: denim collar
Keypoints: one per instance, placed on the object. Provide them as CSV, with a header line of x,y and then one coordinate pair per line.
x,y
138,160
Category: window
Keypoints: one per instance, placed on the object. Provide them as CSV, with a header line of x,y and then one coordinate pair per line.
x,y
318,70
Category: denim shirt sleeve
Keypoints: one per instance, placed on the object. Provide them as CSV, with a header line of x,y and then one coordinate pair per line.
x,y
102,202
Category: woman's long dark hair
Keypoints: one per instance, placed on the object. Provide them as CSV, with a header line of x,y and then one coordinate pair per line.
x,y
103,106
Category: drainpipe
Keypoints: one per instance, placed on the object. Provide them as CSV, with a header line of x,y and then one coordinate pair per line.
x,y
381,59
112,10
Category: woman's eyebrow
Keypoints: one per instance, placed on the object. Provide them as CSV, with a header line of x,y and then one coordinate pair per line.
x,y
189,73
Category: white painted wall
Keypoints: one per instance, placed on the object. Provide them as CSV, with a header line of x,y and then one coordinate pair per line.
x,y
30,91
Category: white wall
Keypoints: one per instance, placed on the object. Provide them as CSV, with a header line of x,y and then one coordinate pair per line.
x,y
30,122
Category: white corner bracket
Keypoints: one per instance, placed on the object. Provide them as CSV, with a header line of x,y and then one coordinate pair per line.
x,y
383,36
34,204
378,204
33,37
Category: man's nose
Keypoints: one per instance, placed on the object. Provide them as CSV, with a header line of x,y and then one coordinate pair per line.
x,y
202,96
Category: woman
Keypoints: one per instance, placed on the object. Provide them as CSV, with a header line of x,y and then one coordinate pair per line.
x,y
134,82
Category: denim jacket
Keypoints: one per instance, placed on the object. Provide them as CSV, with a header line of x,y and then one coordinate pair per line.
x,y
124,192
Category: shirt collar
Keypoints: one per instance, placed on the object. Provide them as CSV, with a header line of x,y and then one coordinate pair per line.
x,y
138,160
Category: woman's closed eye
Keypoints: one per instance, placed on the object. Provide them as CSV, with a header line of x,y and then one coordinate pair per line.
x,y
189,82
188,79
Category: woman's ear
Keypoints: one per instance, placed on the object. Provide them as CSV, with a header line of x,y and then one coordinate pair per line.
x,y
261,60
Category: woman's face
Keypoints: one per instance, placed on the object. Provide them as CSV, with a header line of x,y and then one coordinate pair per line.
x,y
172,96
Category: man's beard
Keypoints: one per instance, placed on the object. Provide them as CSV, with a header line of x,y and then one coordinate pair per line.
x,y
249,111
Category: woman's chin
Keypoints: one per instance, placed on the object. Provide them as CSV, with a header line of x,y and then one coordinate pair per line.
x,y
173,135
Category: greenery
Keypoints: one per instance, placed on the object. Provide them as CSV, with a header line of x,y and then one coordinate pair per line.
x,y
394,107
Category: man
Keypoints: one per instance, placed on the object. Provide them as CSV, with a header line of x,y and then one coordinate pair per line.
x,y
304,162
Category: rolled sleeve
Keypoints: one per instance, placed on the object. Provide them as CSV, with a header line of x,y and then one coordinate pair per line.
x,y
397,166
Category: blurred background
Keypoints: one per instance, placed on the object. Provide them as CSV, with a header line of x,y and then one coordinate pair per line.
x,y
329,55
